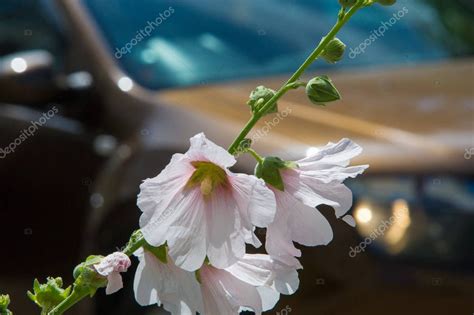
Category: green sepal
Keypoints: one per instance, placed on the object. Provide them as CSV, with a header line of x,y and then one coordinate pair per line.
x,y
269,171
159,252
197,274
87,279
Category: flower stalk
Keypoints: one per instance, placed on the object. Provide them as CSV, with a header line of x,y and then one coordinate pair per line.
x,y
88,279
290,84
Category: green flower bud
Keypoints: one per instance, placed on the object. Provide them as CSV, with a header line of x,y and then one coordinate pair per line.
x,y
49,295
269,171
259,97
347,3
320,90
386,2
334,51
4,302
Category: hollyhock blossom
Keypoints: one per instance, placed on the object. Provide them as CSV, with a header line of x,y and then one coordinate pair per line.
x,y
253,283
163,283
312,181
111,267
198,207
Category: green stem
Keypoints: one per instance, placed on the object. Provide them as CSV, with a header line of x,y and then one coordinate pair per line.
x,y
76,296
290,83
133,246
255,155
69,302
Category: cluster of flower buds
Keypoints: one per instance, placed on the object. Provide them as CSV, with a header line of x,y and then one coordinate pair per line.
x,y
50,294
4,303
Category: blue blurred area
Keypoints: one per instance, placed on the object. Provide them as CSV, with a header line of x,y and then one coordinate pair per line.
x,y
207,41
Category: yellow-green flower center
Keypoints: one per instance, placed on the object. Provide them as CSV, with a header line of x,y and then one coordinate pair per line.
x,y
208,176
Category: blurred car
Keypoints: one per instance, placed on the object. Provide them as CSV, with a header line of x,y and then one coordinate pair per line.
x,y
132,81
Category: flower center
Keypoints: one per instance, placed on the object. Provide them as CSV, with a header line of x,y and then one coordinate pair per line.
x,y
208,176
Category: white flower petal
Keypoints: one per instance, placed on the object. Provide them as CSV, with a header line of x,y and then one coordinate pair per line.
x,y
349,220
148,281
202,149
278,242
314,192
331,154
156,198
156,283
253,269
262,270
225,241
269,297
250,237
286,277
187,234
308,226
114,283
225,294
256,201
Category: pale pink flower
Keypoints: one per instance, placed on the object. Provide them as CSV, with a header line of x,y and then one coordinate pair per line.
x,y
316,180
254,282
111,267
198,207
165,284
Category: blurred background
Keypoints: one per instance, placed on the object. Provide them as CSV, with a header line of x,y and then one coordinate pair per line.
x,y
96,95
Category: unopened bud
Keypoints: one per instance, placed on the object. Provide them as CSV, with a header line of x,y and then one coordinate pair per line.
x,y
259,97
4,302
320,90
334,51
